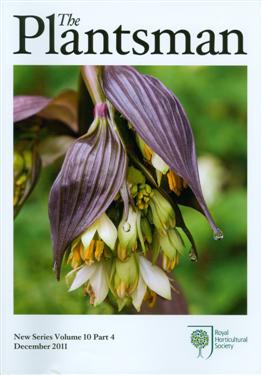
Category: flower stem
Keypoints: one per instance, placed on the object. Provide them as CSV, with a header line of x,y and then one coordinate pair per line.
x,y
92,77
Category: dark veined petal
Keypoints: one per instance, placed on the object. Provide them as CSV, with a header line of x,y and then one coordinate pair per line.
x,y
158,117
27,106
91,176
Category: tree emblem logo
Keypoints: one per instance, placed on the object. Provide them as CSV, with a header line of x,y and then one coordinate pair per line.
x,y
200,339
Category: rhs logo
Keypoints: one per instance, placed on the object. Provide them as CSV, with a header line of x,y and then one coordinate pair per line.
x,y
202,339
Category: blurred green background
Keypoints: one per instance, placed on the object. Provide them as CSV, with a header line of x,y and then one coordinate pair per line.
x,y
215,99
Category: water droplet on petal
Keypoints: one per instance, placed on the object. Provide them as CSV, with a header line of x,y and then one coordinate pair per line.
x,y
126,227
218,235
193,255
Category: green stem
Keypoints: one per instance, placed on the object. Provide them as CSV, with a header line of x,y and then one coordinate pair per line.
x,y
92,76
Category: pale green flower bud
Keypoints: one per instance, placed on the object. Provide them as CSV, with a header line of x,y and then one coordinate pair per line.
x,y
163,215
126,277
23,170
146,230
134,190
155,246
28,159
18,164
171,243
127,235
172,246
135,177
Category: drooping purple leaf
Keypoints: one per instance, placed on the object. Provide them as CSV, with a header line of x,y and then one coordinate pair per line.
x,y
58,115
91,176
158,117
39,120
27,106
63,108
52,148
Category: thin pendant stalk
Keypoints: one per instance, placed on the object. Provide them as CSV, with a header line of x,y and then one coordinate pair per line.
x,y
92,77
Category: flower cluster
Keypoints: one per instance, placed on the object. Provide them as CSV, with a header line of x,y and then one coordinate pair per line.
x,y
111,255
114,206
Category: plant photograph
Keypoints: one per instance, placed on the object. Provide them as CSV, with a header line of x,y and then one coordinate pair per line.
x,y
130,190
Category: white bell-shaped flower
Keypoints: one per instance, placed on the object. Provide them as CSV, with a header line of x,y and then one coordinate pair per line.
x,y
154,278
105,229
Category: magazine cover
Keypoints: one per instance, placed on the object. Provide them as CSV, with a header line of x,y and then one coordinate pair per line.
x,y
130,187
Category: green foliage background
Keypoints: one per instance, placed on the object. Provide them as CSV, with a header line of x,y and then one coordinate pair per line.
x,y
214,98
